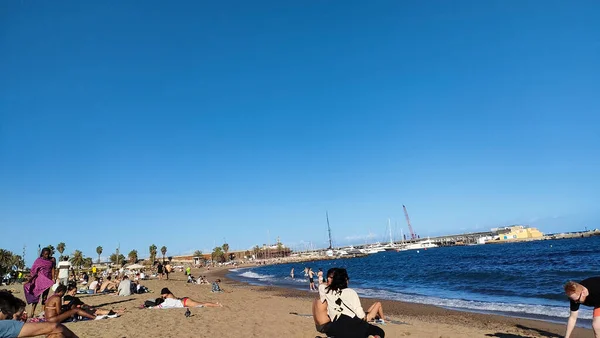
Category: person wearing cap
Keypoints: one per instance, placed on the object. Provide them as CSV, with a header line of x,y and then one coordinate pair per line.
x,y
170,301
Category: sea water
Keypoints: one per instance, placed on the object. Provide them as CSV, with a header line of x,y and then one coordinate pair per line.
x,y
515,279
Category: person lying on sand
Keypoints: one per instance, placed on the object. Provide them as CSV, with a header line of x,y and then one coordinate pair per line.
x,y
586,292
71,302
54,310
170,301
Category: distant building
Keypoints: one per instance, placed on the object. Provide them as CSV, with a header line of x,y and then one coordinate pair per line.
x,y
518,232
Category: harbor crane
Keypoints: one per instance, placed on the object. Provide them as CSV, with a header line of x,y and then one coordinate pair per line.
x,y
412,233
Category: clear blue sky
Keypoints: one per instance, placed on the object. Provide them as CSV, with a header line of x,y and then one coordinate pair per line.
x,y
189,123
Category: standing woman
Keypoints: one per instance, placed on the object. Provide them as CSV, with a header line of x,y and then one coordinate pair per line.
x,y
41,279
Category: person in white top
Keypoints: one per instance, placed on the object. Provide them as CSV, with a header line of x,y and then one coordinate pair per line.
x,y
170,301
348,319
124,288
64,266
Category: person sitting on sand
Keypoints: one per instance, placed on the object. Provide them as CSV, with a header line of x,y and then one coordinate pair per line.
x,y
70,301
170,301
586,292
108,285
216,286
124,288
93,287
343,307
54,311
9,327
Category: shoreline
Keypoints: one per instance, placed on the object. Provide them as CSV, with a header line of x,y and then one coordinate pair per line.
x,y
267,311
432,314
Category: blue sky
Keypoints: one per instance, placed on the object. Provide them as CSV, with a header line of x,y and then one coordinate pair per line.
x,y
193,123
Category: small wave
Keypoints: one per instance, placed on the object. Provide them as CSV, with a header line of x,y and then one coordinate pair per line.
x,y
254,275
477,306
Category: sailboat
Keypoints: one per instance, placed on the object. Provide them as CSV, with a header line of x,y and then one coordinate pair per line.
x,y
391,246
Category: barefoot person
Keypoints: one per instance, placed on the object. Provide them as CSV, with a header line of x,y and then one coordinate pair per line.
x,y
170,301
343,307
586,292
70,301
311,280
43,274
55,312
16,328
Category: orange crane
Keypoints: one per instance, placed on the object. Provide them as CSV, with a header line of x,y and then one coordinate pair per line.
x,y
412,233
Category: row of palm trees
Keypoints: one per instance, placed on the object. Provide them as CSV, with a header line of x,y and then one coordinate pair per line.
x,y
10,262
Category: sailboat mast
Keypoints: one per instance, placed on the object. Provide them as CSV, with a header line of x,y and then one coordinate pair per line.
x,y
390,226
328,230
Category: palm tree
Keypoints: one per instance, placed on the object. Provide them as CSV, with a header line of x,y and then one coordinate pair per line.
x,y
217,254
279,249
133,256
198,253
52,250
6,261
226,250
77,260
87,262
114,259
61,248
163,250
99,252
256,250
247,254
153,249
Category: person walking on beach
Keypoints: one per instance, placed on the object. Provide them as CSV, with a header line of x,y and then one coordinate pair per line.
x,y
64,266
167,270
311,280
159,270
586,292
42,276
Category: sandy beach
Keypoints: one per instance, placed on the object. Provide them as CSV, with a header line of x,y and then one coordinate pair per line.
x,y
252,311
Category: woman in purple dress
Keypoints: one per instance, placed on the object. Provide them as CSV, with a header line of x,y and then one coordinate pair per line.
x,y
41,279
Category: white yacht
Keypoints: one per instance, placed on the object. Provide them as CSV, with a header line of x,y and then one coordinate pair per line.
x,y
426,244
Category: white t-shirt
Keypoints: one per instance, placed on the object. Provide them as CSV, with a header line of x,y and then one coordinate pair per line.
x,y
63,269
93,285
124,288
171,303
340,302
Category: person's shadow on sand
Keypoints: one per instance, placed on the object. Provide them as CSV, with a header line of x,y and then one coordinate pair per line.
x,y
542,333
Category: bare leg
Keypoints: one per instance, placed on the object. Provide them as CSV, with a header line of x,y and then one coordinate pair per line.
x,y
192,303
67,314
376,310
596,325
33,306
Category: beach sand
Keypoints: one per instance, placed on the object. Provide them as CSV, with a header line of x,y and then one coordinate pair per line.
x,y
252,311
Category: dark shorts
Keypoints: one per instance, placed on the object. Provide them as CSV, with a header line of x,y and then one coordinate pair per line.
x,y
310,280
323,327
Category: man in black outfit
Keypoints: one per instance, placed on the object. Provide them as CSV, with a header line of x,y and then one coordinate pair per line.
x,y
586,292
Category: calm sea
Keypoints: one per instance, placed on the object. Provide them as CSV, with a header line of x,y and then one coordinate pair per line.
x,y
517,279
